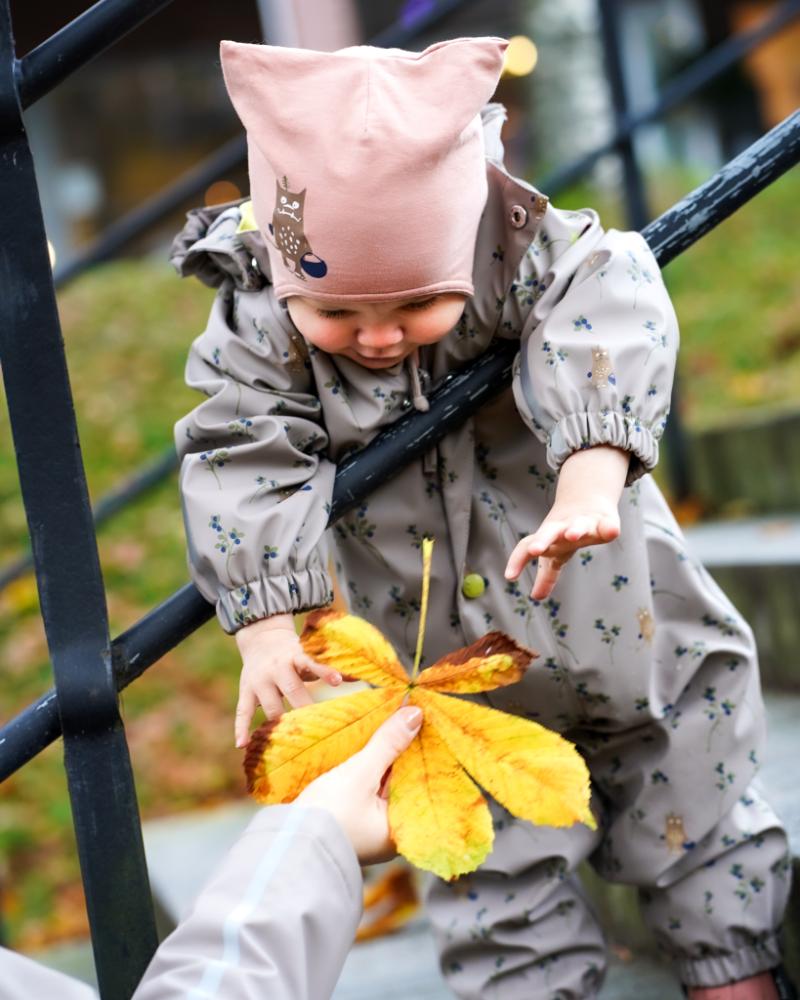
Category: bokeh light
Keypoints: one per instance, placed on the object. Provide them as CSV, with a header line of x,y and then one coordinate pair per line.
x,y
521,56
220,192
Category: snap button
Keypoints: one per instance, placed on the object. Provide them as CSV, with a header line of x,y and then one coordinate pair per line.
x,y
406,404
473,585
518,216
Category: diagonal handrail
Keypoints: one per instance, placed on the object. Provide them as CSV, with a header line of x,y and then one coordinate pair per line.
x,y
77,43
183,612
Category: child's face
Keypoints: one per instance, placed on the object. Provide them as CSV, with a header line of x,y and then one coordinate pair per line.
x,y
376,334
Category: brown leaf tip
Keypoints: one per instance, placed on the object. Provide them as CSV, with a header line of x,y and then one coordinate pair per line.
x,y
254,754
317,619
492,644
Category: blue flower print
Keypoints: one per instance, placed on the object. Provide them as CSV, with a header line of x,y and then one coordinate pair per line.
x,y
528,291
581,323
215,459
241,428
228,541
554,358
638,274
358,526
608,635
728,626
264,486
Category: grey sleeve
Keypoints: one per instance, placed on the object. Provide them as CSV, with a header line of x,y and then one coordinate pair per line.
x,y
23,979
599,340
255,481
276,921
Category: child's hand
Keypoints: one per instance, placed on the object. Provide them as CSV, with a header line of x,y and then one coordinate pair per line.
x,y
565,530
584,513
274,667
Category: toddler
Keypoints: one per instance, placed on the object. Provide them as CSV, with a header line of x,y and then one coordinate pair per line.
x,y
385,247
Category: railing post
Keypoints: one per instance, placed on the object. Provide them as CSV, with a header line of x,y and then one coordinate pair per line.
x,y
637,216
71,591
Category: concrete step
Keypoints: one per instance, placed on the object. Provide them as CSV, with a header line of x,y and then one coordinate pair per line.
x,y
403,966
757,563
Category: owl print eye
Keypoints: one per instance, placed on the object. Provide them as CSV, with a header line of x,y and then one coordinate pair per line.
x,y
295,204
283,199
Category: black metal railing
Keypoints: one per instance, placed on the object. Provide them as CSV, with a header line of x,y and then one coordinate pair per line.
x,y
88,667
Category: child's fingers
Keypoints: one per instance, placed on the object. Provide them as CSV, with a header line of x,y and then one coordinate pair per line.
x,y
245,708
531,547
608,528
309,670
547,574
580,527
270,700
292,688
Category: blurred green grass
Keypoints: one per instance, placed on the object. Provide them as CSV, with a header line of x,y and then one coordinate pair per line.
x,y
127,327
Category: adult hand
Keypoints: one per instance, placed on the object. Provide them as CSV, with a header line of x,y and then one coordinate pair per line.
x,y
355,791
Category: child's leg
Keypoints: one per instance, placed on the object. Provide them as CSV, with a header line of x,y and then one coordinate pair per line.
x,y
686,826
520,927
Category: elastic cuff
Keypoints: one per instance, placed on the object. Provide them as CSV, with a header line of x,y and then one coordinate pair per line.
x,y
722,969
274,595
591,427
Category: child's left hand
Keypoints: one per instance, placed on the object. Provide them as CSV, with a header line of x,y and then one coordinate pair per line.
x,y
584,513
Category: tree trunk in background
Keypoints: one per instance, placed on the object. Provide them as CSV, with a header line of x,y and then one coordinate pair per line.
x,y
309,24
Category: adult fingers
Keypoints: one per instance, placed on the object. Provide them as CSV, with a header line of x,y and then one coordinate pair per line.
x,y
388,741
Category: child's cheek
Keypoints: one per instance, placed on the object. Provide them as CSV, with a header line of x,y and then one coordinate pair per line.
x,y
328,337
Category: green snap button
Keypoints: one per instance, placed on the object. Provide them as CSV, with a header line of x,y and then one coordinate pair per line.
x,y
473,585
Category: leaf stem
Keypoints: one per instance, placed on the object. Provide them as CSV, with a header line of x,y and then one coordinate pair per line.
x,y
427,552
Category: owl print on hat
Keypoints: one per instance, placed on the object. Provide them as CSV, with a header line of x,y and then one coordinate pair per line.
x,y
289,233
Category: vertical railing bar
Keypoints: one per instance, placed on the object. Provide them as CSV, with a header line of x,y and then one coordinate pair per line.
x,y
78,42
635,197
71,592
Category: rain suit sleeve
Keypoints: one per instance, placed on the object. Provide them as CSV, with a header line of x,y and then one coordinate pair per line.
x,y
599,340
277,919
255,481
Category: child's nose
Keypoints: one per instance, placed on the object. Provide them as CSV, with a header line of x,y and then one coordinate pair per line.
x,y
379,335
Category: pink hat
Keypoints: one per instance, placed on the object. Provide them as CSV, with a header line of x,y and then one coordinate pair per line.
x,y
367,167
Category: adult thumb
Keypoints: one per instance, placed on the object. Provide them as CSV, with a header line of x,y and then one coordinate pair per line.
x,y
389,740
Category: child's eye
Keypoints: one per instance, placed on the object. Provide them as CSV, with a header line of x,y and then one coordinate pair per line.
x,y
421,304
332,313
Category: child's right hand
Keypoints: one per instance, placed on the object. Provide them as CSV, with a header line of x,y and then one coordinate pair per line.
x,y
274,666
